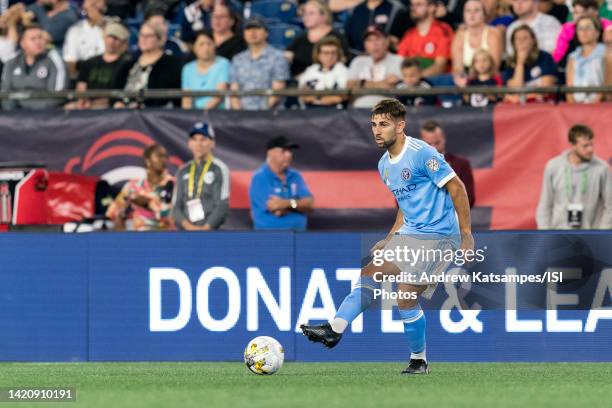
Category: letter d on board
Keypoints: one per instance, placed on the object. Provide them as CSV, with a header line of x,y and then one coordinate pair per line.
x,y
180,320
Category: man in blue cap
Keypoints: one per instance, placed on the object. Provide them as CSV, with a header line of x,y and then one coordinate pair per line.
x,y
201,199
278,194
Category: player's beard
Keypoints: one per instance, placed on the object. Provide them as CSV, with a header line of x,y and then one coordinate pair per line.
x,y
387,144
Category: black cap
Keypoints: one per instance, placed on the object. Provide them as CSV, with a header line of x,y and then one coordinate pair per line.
x,y
255,22
374,30
282,142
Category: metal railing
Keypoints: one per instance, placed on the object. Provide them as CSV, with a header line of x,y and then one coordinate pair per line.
x,y
71,95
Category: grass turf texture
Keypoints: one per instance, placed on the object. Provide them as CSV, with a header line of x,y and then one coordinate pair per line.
x,y
319,385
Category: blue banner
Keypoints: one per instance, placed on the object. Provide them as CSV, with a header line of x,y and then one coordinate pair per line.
x,y
195,296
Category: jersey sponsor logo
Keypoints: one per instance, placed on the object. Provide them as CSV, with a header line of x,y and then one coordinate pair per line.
x,y
433,164
406,174
402,192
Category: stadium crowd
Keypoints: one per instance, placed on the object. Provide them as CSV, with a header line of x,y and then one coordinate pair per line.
x,y
274,44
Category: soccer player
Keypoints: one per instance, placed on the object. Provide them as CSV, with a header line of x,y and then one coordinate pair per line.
x,y
434,212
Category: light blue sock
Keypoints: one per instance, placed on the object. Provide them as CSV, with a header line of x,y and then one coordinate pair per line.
x,y
355,303
414,328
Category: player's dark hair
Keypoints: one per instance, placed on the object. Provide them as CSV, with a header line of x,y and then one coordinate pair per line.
x,y
411,62
579,130
430,126
149,150
390,107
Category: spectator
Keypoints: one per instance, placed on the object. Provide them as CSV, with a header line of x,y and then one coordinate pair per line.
x,y
378,69
85,39
577,187
144,204
261,66
153,69
208,72
433,134
34,69
202,192
9,34
473,36
545,27
278,194
107,71
430,40
589,64
225,28
528,66
55,17
317,20
195,17
370,12
552,8
327,73
482,73
566,42
172,46
412,79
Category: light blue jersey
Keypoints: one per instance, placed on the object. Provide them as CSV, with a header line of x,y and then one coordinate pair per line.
x,y
416,177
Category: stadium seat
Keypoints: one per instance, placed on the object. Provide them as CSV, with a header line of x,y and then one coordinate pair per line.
x,y
283,11
280,35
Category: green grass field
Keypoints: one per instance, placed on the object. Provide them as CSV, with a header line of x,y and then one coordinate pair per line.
x,y
318,385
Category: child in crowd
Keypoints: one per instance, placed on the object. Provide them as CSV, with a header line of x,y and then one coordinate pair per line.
x,y
482,73
412,79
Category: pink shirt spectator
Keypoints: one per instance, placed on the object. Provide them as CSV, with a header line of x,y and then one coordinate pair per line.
x,y
565,37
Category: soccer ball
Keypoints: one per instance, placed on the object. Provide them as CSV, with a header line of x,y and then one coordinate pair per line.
x,y
264,355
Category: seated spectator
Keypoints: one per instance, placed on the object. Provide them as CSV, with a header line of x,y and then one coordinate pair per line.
x,y
370,12
85,39
411,79
318,24
107,71
172,46
474,35
145,204
545,27
552,8
9,34
153,69
195,17
378,69
528,66
34,69
202,192
261,66
208,72
278,195
429,41
433,134
589,64
566,41
482,73
55,17
225,24
327,73
498,14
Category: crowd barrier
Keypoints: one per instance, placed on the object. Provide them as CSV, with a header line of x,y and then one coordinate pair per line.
x,y
193,297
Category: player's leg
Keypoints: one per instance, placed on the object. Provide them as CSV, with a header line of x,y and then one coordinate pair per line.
x,y
414,326
353,305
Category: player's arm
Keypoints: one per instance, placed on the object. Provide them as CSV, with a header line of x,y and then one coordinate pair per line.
x,y
399,221
456,189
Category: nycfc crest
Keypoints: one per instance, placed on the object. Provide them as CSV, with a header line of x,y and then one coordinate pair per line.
x,y
406,174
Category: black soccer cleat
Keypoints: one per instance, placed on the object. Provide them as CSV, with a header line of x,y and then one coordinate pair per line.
x,y
416,366
321,333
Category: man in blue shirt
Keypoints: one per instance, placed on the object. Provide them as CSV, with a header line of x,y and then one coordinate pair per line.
x,y
278,194
434,214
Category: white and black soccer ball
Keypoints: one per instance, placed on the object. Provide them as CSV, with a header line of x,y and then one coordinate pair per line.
x,y
264,355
